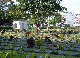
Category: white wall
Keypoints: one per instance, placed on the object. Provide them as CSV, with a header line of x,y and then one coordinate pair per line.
x,y
24,23
70,18
20,26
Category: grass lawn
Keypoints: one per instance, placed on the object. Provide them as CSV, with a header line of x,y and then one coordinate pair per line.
x,y
26,54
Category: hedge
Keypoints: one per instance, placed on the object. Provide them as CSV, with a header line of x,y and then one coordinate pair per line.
x,y
6,27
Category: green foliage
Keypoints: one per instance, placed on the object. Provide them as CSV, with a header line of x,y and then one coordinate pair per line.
x,y
39,42
6,28
32,9
55,52
33,56
23,55
12,54
5,18
42,49
9,55
37,9
32,50
78,40
47,56
3,55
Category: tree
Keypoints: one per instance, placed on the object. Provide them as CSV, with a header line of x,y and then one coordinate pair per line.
x,y
40,9
5,18
33,9
58,18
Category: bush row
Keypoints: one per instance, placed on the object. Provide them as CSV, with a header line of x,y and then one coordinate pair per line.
x,y
6,27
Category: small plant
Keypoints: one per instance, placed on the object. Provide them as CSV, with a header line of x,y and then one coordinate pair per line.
x,y
47,56
47,39
39,42
9,55
55,52
42,49
23,55
78,40
33,56
31,49
3,55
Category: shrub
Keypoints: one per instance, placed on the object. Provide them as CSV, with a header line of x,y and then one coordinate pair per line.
x,y
9,55
33,56
55,52
6,28
42,49
39,42
78,40
47,56
23,55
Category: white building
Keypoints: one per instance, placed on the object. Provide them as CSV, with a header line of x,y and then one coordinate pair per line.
x,y
69,16
20,25
76,20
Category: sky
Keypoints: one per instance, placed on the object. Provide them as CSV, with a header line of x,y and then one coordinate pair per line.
x,y
71,5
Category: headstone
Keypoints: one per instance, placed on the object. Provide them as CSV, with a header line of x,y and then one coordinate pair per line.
x,y
16,48
18,45
49,51
27,50
75,54
61,53
65,49
36,51
6,48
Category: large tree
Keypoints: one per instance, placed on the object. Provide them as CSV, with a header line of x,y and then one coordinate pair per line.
x,y
34,9
5,17
39,10
58,18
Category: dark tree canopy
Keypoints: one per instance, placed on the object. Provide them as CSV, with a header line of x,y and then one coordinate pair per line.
x,y
5,17
31,9
41,8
